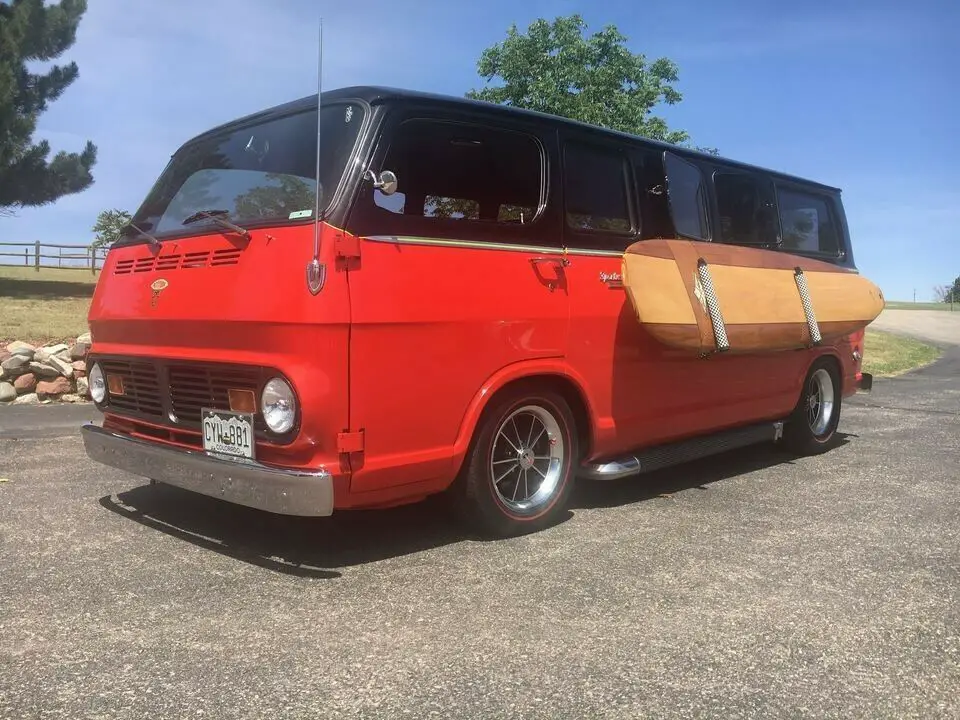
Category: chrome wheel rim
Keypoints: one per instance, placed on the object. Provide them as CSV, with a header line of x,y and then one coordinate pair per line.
x,y
527,459
820,402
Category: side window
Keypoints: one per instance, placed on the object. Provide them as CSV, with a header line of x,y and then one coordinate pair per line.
x,y
596,190
807,223
685,190
455,178
747,208
655,221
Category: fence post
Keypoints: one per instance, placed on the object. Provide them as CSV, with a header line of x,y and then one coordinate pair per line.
x,y
36,256
93,259
26,257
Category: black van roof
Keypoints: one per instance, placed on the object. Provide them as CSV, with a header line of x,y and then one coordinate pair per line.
x,y
374,95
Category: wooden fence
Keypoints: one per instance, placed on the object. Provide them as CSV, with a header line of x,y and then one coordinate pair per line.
x,y
45,255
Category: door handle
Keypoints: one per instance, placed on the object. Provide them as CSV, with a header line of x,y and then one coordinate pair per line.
x,y
559,262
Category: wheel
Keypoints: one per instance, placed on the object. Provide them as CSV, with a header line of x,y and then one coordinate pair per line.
x,y
519,469
812,427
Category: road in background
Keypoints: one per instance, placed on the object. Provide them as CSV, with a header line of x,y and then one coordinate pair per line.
x,y
940,327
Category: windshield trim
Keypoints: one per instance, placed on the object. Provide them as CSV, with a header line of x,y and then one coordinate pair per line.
x,y
227,129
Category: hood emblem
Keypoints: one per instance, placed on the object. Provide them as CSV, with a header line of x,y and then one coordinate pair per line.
x,y
156,287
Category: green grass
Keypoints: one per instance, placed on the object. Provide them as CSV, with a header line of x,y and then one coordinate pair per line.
x,y
901,305
888,355
46,306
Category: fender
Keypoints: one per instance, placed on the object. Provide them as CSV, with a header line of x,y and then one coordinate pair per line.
x,y
551,366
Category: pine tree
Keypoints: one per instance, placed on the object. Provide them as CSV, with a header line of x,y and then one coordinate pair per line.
x,y
33,32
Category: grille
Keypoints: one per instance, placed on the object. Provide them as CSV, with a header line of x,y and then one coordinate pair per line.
x,y
193,387
178,261
141,387
154,388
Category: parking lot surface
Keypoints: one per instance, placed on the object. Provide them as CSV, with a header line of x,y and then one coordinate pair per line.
x,y
751,585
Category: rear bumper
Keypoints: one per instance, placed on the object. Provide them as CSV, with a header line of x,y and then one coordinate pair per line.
x,y
864,382
276,490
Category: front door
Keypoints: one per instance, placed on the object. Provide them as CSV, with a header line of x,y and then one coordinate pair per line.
x,y
457,279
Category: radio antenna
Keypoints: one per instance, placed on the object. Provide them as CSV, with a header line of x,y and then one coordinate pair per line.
x,y
316,273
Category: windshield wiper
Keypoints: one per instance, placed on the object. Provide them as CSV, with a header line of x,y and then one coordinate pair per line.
x,y
144,233
217,217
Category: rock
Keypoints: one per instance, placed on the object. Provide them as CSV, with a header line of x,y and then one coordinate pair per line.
x,y
79,368
25,384
64,355
45,353
15,365
83,387
79,351
86,339
71,398
44,371
58,386
30,399
65,368
8,392
21,348
5,355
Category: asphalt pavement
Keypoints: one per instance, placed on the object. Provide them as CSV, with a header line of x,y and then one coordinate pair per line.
x,y
750,585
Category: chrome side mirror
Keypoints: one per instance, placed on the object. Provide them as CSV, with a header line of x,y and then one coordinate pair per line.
x,y
385,183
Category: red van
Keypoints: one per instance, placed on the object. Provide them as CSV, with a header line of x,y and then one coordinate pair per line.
x,y
431,302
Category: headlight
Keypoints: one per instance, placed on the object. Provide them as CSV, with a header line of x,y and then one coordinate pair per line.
x,y
98,384
278,405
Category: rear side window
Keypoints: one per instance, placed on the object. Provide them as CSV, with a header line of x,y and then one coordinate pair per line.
x,y
807,223
596,190
685,191
747,207
462,177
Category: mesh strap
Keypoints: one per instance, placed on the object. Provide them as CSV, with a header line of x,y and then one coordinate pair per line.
x,y
807,305
713,306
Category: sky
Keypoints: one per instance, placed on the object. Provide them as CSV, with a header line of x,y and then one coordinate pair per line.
x,y
859,95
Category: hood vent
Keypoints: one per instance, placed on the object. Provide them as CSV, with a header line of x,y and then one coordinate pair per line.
x,y
178,261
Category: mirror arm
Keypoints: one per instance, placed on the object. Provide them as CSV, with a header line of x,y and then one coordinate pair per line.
x,y
370,175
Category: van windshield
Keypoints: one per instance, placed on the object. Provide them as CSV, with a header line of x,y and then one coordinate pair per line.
x,y
257,174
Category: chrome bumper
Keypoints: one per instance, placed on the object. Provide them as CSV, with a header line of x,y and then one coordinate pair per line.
x,y
276,490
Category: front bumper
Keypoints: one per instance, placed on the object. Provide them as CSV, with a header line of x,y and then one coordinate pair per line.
x,y
276,490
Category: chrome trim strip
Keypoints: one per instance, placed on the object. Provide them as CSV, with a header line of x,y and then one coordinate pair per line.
x,y
586,252
478,245
273,489
472,244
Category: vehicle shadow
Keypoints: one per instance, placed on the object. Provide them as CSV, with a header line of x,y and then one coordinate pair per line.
x,y
300,546
317,547
695,475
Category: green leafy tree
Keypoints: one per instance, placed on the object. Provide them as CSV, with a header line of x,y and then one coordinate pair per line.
x,y
953,292
553,68
108,226
31,32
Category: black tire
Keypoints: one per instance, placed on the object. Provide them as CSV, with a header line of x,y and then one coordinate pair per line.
x,y
481,502
812,430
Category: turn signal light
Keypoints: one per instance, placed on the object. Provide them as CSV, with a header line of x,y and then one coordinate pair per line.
x,y
115,384
242,401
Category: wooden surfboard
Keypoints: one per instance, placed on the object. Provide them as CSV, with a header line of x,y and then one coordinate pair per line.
x,y
708,297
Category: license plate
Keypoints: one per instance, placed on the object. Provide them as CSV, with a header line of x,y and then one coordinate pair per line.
x,y
228,433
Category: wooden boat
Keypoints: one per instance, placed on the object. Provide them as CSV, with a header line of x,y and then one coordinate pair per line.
x,y
708,297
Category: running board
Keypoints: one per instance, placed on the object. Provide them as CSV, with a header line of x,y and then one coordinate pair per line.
x,y
663,456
